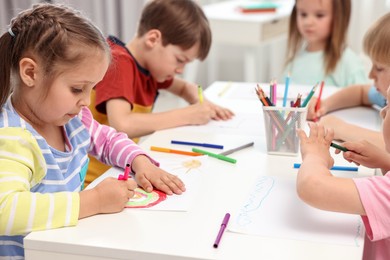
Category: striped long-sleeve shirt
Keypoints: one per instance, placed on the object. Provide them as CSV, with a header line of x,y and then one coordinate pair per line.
x,y
39,185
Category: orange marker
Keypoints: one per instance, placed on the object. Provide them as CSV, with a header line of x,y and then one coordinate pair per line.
x,y
167,150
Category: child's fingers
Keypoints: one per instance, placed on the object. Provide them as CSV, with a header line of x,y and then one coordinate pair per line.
x,y
329,135
144,183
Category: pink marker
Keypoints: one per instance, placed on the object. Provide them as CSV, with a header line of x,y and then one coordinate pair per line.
x,y
125,175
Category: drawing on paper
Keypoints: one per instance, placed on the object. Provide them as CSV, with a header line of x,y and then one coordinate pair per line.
x,y
188,165
142,199
262,188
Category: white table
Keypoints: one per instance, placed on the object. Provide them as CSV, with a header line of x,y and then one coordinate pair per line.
x,y
143,234
231,27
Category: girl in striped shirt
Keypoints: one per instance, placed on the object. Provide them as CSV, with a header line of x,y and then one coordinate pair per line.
x,y
51,57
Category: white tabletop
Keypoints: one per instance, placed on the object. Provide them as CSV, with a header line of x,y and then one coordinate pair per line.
x,y
149,234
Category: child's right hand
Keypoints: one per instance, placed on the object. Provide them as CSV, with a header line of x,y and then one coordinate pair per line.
x,y
109,196
367,154
312,114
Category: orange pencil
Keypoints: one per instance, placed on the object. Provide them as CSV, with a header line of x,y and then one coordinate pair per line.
x,y
167,150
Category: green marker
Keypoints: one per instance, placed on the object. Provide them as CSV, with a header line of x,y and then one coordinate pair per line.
x,y
218,156
341,148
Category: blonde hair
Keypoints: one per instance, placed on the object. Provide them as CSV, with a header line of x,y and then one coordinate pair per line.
x,y
336,43
376,40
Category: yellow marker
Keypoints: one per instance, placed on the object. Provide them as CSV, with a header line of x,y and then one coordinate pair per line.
x,y
200,94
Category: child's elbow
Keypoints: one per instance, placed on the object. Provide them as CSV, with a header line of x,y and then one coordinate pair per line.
x,y
305,188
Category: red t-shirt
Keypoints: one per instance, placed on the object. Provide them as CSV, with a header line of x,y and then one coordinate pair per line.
x,y
125,78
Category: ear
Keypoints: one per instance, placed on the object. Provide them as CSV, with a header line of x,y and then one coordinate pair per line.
x,y
28,69
153,37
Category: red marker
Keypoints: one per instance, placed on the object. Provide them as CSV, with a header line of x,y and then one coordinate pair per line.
x,y
125,175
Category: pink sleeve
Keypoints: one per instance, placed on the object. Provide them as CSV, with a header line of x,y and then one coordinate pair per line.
x,y
374,194
109,146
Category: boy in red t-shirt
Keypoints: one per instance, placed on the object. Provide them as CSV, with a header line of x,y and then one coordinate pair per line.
x,y
171,33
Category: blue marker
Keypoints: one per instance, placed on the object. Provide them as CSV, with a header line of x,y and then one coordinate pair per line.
x,y
334,168
215,146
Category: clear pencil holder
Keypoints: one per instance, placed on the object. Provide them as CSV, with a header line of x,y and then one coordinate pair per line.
x,y
281,124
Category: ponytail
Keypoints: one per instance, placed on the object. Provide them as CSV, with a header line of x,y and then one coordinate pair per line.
x,y
6,53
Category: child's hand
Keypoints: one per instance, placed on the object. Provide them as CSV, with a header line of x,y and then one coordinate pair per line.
x,y
109,196
220,113
149,175
335,123
316,144
367,154
312,114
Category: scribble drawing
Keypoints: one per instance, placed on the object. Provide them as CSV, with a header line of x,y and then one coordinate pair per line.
x,y
142,199
188,165
260,192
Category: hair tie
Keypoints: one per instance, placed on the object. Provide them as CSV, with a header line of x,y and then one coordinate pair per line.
x,y
11,32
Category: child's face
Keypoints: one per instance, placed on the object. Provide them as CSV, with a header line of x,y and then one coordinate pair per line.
x,y
167,61
314,20
69,91
380,73
385,113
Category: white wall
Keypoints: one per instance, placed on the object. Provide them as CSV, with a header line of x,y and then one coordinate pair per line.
x,y
119,17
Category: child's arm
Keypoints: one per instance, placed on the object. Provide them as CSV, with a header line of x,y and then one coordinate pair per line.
x,y
355,95
22,167
135,125
114,148
349,132
315,184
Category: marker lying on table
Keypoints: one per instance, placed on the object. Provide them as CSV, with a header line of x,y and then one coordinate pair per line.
x,y
218,156
125,175
167,150
237,149
216,146
224,223
335,168
341,148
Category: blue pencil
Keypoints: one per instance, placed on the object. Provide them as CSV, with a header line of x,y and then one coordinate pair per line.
x,y
334,168
286,90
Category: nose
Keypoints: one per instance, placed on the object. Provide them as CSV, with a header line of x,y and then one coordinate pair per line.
x,y
85,99
383,112
179,69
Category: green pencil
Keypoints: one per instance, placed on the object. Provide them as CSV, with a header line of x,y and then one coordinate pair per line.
x,y
304,104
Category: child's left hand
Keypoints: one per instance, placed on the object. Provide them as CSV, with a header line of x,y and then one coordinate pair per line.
x,y
317,144
221,113
149,175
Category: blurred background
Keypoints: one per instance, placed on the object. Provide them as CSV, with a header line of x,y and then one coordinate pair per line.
x,y
119,18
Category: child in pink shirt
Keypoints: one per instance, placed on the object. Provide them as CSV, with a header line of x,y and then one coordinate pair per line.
x,y
368,197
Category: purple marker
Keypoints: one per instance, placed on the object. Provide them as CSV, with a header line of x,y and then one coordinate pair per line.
x,y
222,229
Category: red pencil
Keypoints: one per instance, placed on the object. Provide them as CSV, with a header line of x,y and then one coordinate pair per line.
x,y
318,104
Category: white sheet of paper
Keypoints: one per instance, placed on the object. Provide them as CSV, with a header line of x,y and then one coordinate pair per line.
x,y
274,209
